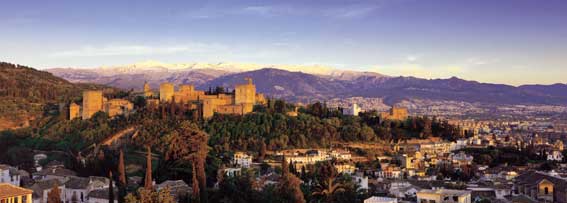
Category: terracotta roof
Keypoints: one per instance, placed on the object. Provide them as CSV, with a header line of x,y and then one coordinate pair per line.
x,y
8,190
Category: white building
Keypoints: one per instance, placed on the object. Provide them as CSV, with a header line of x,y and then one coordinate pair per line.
x,y
10,175
352,110
340,154
461,159
361,181
77,189
232,171
403,189
43,187
242,159
345,168
444,196
555,156
375,199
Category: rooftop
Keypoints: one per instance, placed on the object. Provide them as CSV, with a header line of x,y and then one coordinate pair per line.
x,y
8,190
446,192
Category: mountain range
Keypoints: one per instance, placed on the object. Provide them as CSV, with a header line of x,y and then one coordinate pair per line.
x,y
307,83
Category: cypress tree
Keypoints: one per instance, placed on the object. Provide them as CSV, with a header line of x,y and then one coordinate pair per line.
x,y
285,167
122,178
148,178
110,189
195,185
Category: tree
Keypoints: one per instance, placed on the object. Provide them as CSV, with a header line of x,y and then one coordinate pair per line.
x,y
327,183
151,196
196,193
130,198
148,179
110,189
122,178
285,167
188,142
54,196
289,189
263,149
164,196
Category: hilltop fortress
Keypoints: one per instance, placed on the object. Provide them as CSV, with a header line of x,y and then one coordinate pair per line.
x,y
94,101
395,113
240,102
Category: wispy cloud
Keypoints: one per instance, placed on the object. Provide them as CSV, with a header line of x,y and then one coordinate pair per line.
x,y
352,11
261,10
276,10
136,50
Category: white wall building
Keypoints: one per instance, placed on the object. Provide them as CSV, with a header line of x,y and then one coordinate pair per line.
x,y
352,110
555,156
362,181
444,196
9,174
242,159
375,199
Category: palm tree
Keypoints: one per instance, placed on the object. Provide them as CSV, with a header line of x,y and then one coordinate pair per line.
x,y
327,183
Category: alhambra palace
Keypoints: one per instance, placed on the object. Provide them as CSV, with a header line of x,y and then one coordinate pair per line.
x,y
239,102
94,101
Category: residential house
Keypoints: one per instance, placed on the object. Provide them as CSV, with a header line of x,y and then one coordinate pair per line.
x,y
9,174
540,186
178,188
443,196
11,194
242,159
42,187
375,199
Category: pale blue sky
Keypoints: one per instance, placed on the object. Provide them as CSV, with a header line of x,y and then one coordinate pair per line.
x,y
501,41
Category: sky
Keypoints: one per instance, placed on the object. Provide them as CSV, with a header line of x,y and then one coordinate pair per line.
x,y
499,41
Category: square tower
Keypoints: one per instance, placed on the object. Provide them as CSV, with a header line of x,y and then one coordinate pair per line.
x,y
92,103
166,91
245,93
74,111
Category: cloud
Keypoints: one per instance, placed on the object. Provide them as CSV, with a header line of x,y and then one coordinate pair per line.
x,y
136,50
412,58
351,12
261,10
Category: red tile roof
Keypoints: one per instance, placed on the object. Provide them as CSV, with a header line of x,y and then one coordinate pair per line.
x,y
9,190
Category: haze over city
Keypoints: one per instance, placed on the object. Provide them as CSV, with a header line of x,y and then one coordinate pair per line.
x,y
509,42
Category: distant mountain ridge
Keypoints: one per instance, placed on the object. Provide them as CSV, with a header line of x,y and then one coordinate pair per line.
x,y
326,83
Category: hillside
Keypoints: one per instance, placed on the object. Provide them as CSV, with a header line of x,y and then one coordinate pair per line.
x,y
26,92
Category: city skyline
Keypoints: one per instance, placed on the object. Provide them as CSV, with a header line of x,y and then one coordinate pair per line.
x,y
509,42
